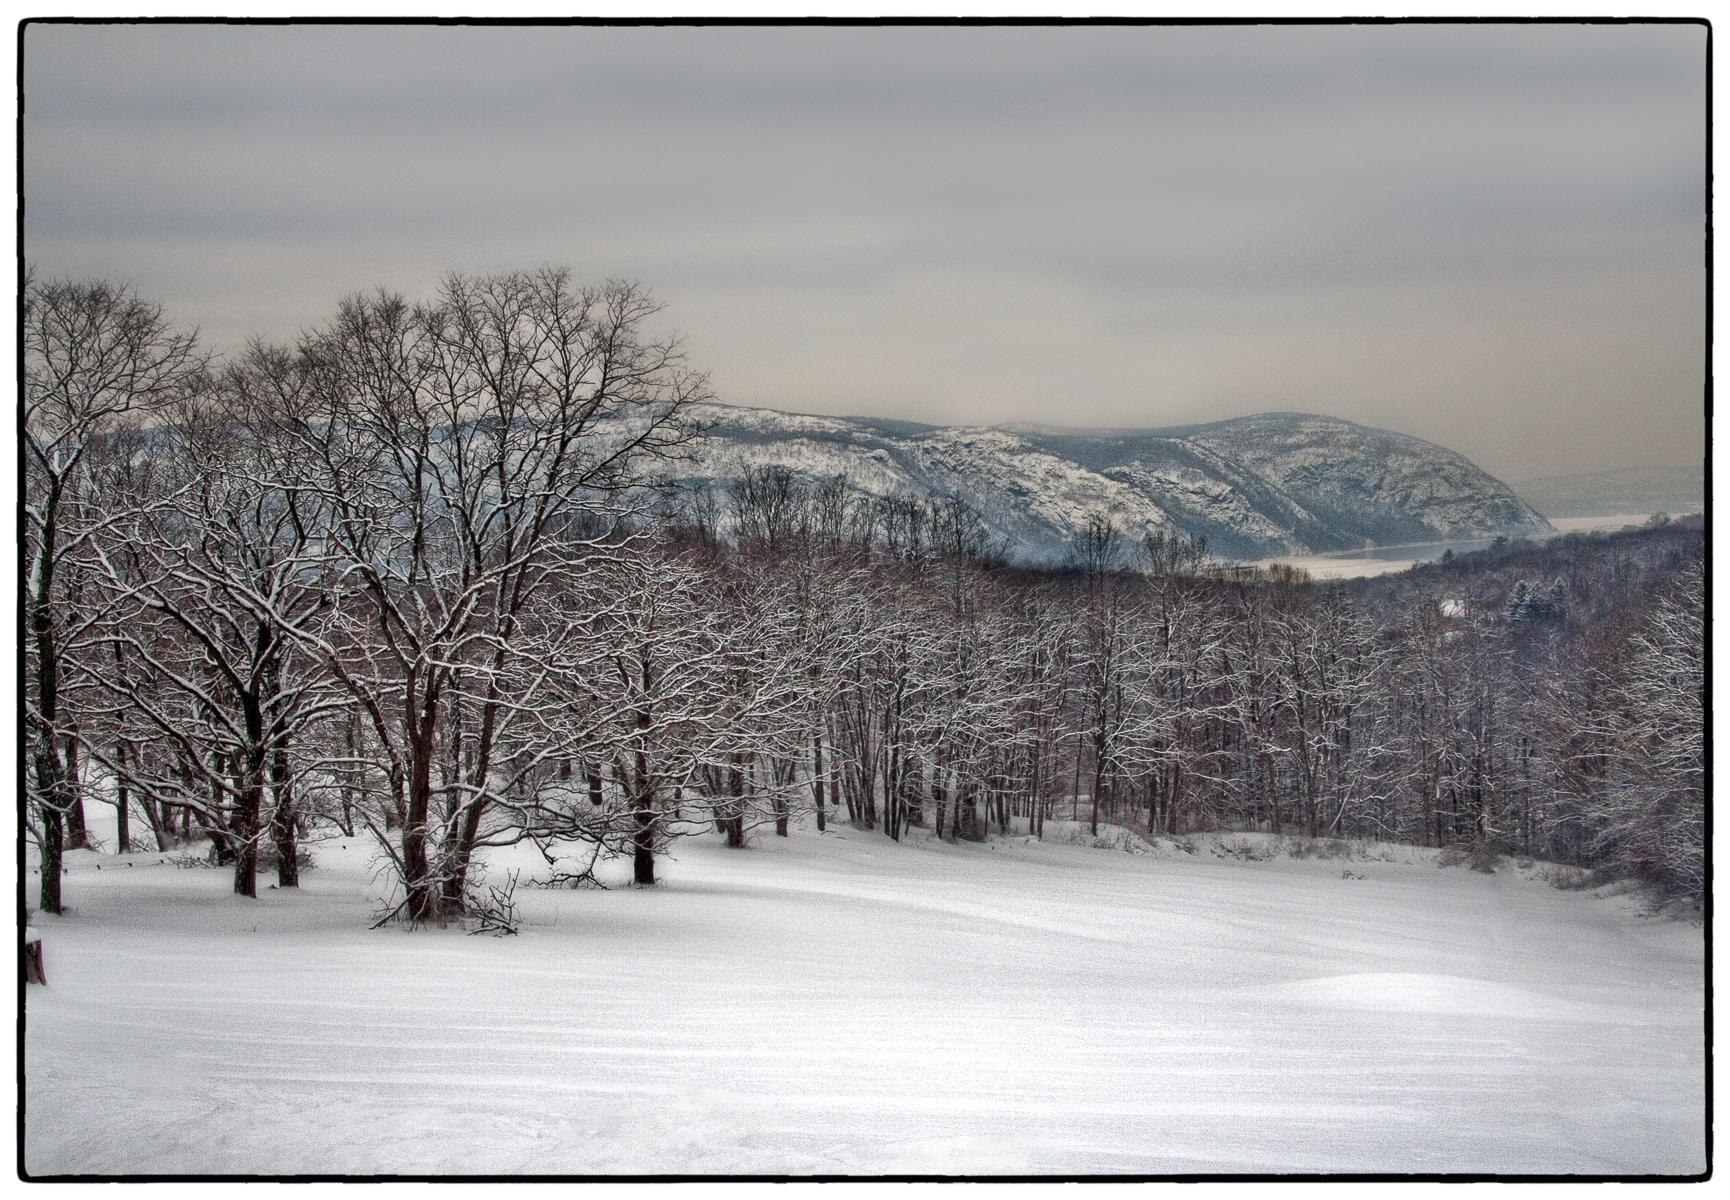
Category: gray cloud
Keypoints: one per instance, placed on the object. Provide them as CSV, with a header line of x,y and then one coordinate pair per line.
x,y
1491,235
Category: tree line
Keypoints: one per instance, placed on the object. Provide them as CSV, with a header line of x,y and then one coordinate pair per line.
x,y
425,574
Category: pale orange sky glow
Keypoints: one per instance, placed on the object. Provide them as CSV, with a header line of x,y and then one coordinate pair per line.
x,y
1487,235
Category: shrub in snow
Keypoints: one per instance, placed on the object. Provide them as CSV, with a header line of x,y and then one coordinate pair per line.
x,y
1248,849
1478,859
495,911
1324,848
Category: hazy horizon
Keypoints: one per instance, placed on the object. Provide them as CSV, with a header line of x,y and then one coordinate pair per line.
x,y
1489,236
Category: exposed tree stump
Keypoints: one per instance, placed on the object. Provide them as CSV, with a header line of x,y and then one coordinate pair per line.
x,y
33,972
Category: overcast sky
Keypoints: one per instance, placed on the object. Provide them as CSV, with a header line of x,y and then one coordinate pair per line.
x,y
1491,236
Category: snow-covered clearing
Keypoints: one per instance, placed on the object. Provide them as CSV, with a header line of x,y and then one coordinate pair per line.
x,y
844,1005
1340,566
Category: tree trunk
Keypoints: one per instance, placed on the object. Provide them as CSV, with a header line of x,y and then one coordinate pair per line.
x,y
1098,787
1075,784
353,776
785,771
422,894
248,807
122,807
643,838
245,848
282,822
893,816
77,833
735,820
48,772
53,846
460,853
161,821
817,776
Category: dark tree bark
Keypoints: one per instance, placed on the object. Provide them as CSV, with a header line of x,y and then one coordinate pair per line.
x,y
422,888
77,832
283,820
122,807
783,771
161,822
643,818
817,776
53,846
248,806
734,822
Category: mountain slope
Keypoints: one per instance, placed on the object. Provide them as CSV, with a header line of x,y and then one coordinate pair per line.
x,y
1278,483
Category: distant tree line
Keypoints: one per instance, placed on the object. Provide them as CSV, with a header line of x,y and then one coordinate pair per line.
x,y
423,575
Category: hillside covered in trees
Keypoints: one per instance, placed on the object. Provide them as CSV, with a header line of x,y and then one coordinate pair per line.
x,y
1254,487
423,576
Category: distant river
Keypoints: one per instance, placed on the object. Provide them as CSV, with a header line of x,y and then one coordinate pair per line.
x,y
1381,560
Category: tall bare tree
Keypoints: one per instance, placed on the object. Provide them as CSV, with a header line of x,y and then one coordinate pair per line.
x,y
99,363
209,597
474,453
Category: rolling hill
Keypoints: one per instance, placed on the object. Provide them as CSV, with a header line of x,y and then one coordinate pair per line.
x,y
1273,484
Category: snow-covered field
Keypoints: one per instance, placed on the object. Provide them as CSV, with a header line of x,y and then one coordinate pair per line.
x,y
844,1005
1336,566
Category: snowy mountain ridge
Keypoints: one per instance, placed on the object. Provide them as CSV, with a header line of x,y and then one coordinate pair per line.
x,y
1254,487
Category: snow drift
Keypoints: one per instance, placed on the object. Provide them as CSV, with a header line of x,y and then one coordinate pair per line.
x,y
843,1005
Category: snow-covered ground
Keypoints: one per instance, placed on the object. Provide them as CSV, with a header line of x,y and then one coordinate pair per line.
x,y
845,1005
1336,566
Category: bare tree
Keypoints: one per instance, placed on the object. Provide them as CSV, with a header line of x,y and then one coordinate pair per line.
x,y
692,683
474,453
1169,554
209,597
1095,548
1653,817
98,363
768,505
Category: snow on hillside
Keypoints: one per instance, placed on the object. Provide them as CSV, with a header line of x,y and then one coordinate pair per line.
x,y
870,469
1279,483
840,1004
1371,483
1038,497
1212,505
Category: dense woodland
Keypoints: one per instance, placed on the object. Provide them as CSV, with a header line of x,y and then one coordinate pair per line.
x,y
422,575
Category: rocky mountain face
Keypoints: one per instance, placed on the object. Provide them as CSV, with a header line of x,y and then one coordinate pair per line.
x,y
1255,487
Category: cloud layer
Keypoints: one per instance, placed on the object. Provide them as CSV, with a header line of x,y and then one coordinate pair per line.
x,y
1488,235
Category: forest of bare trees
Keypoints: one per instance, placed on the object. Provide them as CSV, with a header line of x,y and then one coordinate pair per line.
x,y
423,575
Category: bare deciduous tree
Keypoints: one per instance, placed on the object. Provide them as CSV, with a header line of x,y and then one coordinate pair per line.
x,y
473,453
99,363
